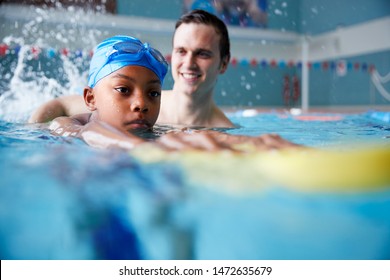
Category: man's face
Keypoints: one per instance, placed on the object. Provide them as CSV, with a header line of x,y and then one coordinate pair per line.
x,y
196,61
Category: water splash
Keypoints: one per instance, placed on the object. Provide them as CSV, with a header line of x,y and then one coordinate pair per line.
x,y
36,68
32,82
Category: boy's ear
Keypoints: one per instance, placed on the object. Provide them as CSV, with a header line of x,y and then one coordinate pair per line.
x,y
89,98
224,64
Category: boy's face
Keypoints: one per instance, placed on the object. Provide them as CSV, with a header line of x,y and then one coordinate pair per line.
x,y
196,61
128,99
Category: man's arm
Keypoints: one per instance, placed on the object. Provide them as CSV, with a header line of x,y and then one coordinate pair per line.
x,y
231,141
63,106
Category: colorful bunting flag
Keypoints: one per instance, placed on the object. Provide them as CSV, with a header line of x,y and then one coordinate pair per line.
x,y
338,65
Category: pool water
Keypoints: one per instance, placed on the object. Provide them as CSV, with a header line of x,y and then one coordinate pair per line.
x,y
61,199
318,129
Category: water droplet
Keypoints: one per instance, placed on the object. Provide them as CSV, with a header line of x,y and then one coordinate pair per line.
x,y
314,10
278,12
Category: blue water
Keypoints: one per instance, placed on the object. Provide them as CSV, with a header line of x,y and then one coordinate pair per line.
x,y
369,126
61,199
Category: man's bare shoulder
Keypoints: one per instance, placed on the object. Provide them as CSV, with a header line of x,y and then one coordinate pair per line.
x,y
219,119
166,106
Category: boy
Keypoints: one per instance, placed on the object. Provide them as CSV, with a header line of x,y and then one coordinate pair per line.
x,y
123,94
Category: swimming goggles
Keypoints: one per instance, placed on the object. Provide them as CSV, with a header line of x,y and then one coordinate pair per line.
x,y
128,51
135,47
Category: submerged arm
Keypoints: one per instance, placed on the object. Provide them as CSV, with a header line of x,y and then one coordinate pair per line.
x,y
61,106
102,135
96,134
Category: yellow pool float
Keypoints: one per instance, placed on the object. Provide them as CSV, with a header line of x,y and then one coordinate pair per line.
x,y
364,168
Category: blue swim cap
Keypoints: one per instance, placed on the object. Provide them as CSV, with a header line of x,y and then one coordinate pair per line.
x,y
120,51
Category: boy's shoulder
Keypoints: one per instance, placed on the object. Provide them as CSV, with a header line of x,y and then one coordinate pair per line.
x,y
82,118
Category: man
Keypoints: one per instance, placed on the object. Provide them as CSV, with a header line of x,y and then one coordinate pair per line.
x,y
201,52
